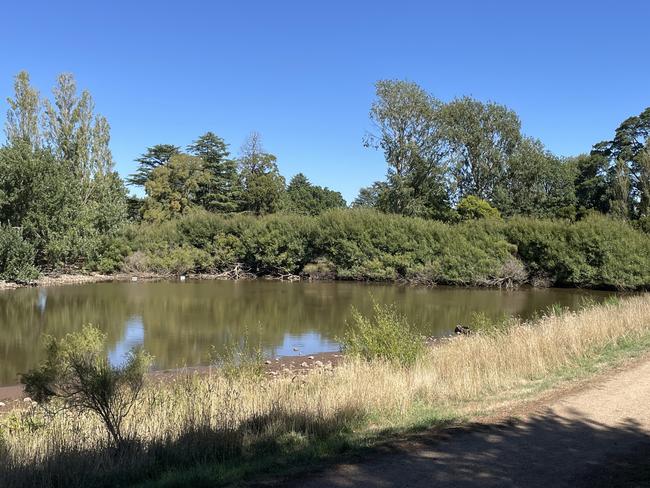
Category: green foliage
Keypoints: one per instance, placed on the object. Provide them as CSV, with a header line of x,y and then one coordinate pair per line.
x,y
77,372
386,335
66,198
278,245
407,120
173,188
596,252
473,208
16,256
222,192
155,156
307,199
482,138
362,244
483,324
262,184
240,360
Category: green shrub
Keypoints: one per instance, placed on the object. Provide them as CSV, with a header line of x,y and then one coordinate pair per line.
x,y
473,208
16,256
240,359
386,335
77,372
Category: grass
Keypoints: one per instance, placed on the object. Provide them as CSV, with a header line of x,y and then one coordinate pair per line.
x,y
214,430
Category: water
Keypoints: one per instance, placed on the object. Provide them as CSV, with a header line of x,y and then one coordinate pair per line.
x,y
178,322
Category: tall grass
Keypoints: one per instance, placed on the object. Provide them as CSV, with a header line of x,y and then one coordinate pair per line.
x,y
200,420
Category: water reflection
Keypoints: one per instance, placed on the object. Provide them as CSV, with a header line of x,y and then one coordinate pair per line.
x,y
178,322
304,344
133,337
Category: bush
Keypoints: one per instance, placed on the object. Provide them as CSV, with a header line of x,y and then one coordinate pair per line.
x,y
16,256
386,335
77,371
240,360
473,208
363,244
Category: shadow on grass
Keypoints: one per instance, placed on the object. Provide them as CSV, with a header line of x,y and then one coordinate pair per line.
x,y
274,436
543,451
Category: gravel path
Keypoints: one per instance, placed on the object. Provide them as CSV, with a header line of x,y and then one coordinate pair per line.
x,y
597,437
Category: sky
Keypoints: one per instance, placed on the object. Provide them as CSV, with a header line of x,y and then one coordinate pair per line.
x,y
302,73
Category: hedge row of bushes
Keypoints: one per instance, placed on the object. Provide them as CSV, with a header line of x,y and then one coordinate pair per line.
x,y
597,252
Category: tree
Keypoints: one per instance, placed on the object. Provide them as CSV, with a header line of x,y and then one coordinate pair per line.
x,y
262,184
307,199
221,193
408,132
77,371
472,207
154,156
591,185
24,113
536,183
629,170
173,188
57,181
370,196
481,138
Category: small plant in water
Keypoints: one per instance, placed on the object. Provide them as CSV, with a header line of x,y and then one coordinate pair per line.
x,y
77,371
385,335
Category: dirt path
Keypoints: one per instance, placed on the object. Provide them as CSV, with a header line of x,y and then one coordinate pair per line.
x,y
596,437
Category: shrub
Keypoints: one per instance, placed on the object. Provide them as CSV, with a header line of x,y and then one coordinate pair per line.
x,y
386,335
472,208
16,256
240,360
77,371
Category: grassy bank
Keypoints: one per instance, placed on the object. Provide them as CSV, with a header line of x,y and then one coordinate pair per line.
x,y
206,431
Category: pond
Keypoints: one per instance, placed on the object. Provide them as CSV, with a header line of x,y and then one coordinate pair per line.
x,y
179,322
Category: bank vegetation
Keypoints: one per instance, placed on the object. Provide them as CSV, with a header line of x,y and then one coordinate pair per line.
x,y
207,430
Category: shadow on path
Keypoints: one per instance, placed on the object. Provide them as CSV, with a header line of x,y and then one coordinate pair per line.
x,y
545,450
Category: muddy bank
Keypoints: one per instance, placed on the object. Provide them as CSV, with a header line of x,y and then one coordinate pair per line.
x,y
12,395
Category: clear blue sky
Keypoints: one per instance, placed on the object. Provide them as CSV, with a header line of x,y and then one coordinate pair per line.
x,y
302,73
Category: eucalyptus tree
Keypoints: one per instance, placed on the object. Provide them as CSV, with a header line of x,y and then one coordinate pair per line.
x,y
407,130
481,138
536,183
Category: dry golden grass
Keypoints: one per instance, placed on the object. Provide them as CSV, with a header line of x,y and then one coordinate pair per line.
x,y
196,419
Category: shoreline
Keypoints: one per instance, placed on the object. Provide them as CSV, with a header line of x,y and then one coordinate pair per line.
x,y
293,365
61,279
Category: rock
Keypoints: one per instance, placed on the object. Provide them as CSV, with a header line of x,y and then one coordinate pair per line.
x,y
296,349
462,330
318,364
277,359
134,278
304,365
27,399
2,404
267,362
310,357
